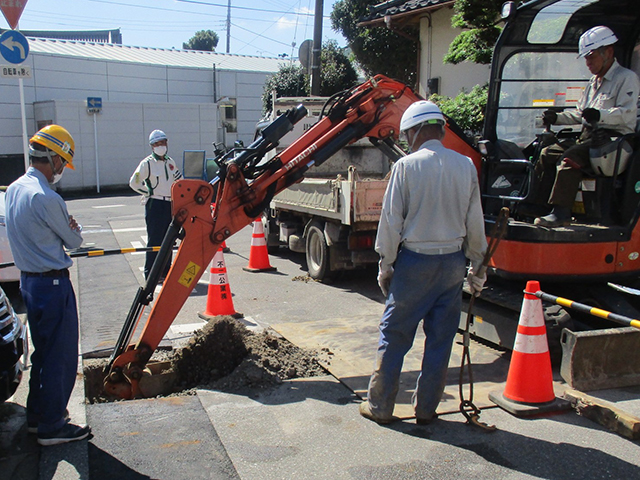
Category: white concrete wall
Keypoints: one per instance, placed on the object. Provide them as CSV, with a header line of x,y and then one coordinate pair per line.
x,y
436,34
136,99
123,133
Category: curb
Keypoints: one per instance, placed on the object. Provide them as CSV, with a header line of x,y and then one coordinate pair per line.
x,y
605,413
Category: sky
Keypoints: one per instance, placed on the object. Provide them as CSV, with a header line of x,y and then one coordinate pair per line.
x,y
263,28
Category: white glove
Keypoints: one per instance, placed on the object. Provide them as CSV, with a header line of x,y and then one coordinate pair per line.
x,y
476,283
384,280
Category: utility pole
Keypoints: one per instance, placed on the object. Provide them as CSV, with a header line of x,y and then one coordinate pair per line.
x,y
317,48
228,26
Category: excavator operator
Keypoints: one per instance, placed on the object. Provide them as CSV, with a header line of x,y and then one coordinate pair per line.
x,y
609,101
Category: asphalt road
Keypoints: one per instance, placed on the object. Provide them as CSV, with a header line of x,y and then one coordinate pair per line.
x,y
306,428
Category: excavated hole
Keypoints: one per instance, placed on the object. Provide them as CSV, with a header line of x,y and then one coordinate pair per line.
x,y
224,355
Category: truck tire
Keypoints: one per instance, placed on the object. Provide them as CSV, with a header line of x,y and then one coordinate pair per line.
x,y
317,252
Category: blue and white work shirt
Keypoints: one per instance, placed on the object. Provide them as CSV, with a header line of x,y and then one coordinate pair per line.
x,y
154,177
38,225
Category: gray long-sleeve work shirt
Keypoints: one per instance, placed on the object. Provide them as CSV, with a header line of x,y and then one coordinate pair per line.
x,y
432,206
616,97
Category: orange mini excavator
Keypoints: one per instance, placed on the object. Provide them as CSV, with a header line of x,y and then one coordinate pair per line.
x,y
242,190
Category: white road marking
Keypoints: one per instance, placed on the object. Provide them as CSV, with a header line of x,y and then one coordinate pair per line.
x,y
131,229
118,205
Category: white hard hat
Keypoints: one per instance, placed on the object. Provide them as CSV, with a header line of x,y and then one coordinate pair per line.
x,y
156,136
595,38
422,111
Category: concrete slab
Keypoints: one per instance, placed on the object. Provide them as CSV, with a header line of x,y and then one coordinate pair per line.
x,y
310,428
156,438
353,342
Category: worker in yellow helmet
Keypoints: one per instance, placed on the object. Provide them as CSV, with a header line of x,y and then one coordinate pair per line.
x,y
39,228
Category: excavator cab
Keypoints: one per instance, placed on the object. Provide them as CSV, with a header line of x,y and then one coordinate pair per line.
x,y
535,68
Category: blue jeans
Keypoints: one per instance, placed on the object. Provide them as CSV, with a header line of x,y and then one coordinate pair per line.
x,y
157,215
428,288
53,323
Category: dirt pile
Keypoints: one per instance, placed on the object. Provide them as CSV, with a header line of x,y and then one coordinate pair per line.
x,y
224,355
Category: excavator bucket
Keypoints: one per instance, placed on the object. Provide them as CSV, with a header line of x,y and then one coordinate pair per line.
x,y
601,359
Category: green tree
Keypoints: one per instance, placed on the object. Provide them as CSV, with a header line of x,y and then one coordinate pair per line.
x,y
291,80
466,109
204,40
336,71
377,50
476,42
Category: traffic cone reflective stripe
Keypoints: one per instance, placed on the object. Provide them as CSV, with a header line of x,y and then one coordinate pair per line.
x,y
219,299
258,255
529,387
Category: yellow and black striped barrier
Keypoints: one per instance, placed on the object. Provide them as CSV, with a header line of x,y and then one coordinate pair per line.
x,y
581,307
99,253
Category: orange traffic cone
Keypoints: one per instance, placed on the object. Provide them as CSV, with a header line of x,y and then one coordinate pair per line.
x,y
258,255
224,247
529,388
219,301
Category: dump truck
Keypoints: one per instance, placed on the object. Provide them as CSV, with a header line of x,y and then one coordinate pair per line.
x,y
332,214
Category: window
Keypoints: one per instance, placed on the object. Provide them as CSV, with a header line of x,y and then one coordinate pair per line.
x,y
550,22
229,115
531,83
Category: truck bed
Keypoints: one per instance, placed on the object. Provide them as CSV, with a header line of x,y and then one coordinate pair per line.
x,y
348,200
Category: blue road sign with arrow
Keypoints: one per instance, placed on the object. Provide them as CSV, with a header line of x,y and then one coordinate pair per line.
x,y
14,46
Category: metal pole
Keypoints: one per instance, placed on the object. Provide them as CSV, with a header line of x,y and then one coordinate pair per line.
x,y
228,25
25,141
581,307
317,48
95,141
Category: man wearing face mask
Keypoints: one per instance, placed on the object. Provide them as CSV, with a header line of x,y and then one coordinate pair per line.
x,y
39,228
153,179
431,220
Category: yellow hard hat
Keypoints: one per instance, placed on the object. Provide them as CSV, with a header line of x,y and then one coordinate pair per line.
x,y
58,140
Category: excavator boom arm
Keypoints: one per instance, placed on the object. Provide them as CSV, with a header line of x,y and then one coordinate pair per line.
x,y
206,214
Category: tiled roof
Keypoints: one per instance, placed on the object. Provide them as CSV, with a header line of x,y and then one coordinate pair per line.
x,y
396,7
154,56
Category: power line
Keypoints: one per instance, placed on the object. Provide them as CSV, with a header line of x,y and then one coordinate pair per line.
x,y
197,2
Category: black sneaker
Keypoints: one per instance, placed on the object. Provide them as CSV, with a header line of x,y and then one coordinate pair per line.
x,y
32,426
68,433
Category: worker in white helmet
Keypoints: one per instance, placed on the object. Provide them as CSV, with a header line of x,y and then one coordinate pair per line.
x,y
431,223
609,101
153,179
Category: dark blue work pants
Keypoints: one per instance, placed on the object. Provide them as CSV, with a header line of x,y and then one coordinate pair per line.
x,y
427,288
157,215
53,323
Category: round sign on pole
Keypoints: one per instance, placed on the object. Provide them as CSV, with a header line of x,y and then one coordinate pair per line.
x,y
304,54
14,46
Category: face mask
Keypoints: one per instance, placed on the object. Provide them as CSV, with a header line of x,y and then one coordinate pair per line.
x,y
56,177
415,137
160,150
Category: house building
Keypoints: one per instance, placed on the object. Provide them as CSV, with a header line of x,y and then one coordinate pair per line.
x,y
433,17
196,97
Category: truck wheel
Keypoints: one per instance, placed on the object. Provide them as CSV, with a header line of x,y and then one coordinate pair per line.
x,y
318,254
